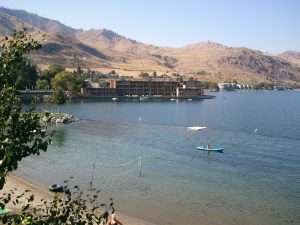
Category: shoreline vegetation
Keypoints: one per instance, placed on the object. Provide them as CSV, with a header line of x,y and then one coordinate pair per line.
x,y
21,184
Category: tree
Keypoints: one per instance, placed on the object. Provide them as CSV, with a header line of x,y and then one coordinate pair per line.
x,y
55,68
67,81
42,84
210,85
50,73
21,133
79,71
22,75
213,86
58,98
78,207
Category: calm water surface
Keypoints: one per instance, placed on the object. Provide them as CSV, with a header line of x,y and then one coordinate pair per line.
x,y
255,181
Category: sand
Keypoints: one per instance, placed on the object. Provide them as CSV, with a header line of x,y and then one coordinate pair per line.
x,y
22,184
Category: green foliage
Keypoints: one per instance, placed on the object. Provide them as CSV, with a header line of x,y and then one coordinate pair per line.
x,y
12,52
79,71
210,85
23,75
263,86
21,134
76,207
55,68
58,97
42,84
71,82
50,73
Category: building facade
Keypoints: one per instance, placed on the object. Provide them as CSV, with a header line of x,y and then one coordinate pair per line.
x,y
149,88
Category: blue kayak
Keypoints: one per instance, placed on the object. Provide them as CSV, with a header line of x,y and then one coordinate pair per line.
x,y
210,149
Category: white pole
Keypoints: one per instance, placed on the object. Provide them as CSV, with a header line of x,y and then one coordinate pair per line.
x,y
140,164
91,182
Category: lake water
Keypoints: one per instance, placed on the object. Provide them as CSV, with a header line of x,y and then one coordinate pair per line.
x,y
255,181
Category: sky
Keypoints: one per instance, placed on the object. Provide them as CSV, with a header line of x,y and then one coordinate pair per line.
x,y
267,25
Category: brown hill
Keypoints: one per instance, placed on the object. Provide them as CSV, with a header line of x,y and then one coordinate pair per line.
x,y
18,17
291,56
104,50
217,62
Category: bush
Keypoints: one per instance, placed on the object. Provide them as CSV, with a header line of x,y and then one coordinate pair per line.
x,y
76,208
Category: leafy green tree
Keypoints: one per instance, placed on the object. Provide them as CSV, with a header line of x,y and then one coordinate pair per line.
x,y
58,98
22,75
42,84
79,71
50,73
21,134
210,85
213,86
154,74
67,81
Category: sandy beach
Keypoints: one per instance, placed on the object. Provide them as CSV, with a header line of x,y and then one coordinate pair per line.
x,y
21,184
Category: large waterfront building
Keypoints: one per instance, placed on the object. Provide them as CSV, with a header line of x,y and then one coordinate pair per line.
x,y
147,88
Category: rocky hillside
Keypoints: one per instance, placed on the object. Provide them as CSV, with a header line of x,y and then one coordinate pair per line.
x,y
291,56
104,50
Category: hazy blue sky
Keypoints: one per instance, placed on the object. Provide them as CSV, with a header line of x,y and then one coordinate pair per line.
x,y
267,25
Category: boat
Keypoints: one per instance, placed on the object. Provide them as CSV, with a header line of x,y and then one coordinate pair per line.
x,y
190,99
56,188
210,149
114,99
173,99
143,98
196,128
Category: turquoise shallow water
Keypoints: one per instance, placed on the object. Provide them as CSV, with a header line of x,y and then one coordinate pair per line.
x,y
255,181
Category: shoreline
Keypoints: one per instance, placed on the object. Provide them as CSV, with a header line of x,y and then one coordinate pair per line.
x,y
15,181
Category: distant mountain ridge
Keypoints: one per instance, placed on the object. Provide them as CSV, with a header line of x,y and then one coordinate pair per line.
x,y
41,23
104,50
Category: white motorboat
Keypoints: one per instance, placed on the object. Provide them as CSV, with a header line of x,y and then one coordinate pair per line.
x,y
197,128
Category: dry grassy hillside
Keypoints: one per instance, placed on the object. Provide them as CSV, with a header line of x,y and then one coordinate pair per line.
x,y
104,50
291,56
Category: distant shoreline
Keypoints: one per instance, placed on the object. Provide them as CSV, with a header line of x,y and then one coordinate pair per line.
x,y
148,97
